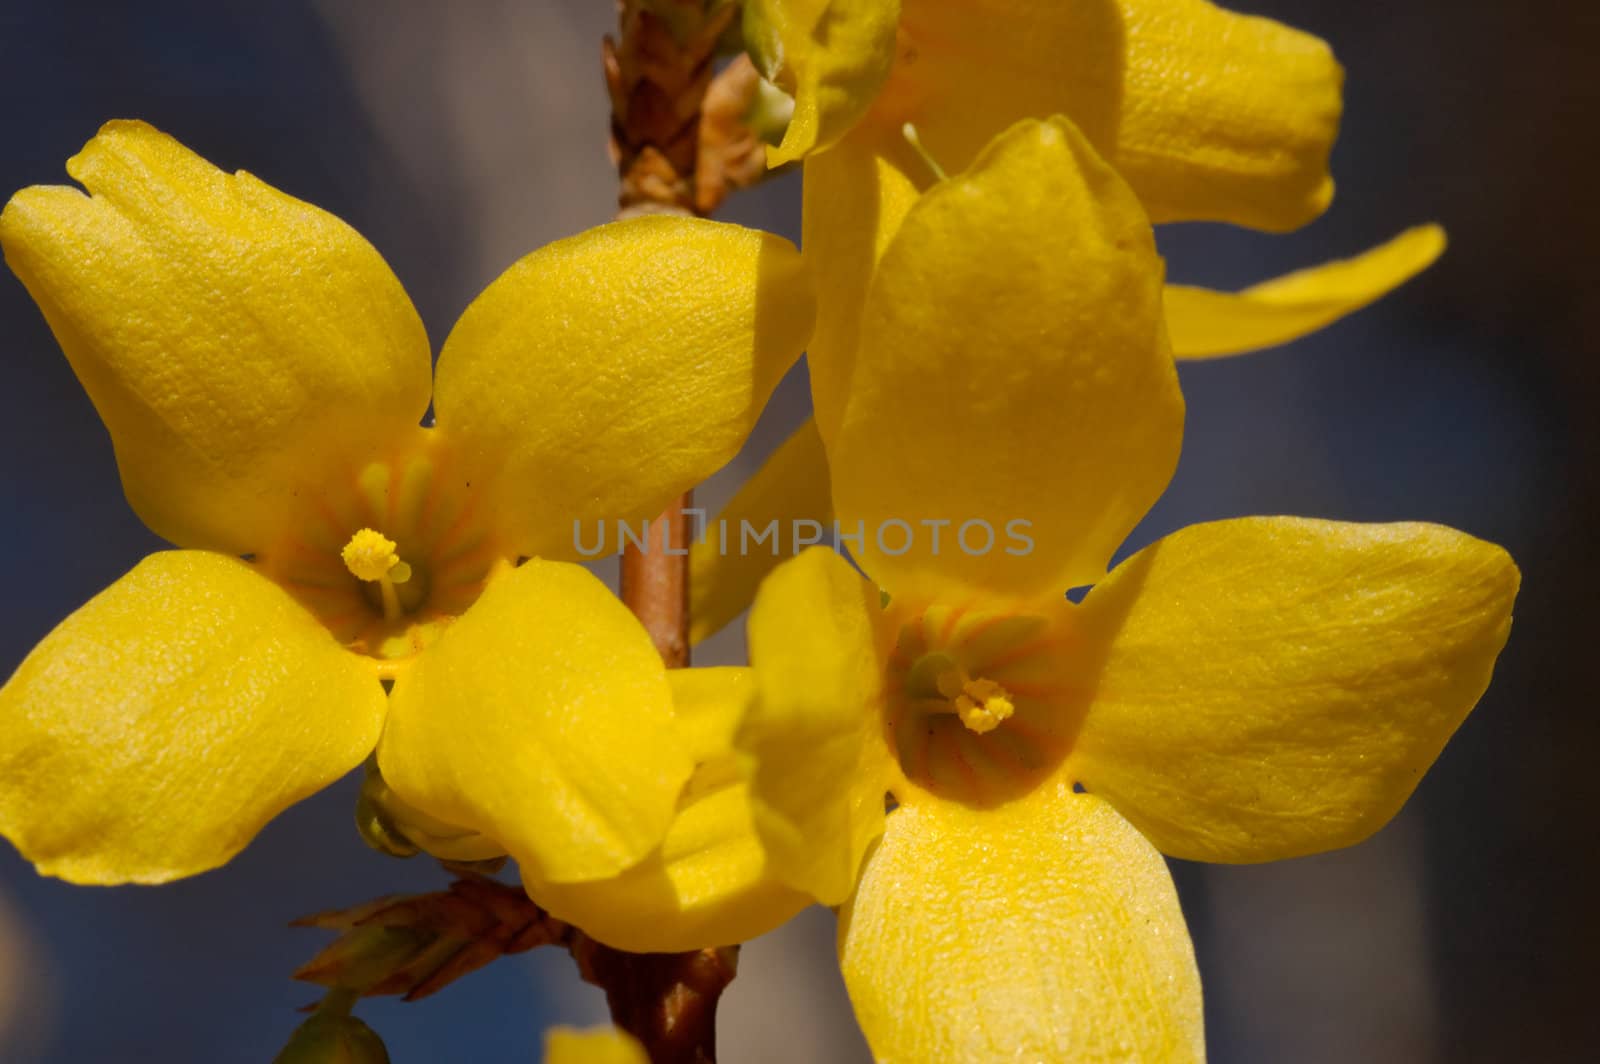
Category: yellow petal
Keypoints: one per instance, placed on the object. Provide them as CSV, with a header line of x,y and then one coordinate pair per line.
x,y
792,486
855,198
821,764
832,56
234,340
158,728
1209,115
1207,324
708,705
604,374
1272,687
708,884
542,719
1015,382
1042,929
599,1045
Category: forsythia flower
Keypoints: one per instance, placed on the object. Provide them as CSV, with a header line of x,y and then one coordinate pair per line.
x,y
1207,114
263,377
1245,690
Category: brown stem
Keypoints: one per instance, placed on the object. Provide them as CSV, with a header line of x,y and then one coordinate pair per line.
x,y
655,582
668,1001
658,69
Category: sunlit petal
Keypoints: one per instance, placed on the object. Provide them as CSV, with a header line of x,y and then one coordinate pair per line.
x,y
1043,929
235,340
604,374
158,728
1014,376
542,719
1271,687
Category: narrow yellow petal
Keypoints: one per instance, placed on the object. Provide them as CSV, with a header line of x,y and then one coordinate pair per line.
x,y
1043,929
1209,115
599,1045
791,486
708,883
1015,394
821,763
604,374
235,340
158,728
1271,687
855,198
1208,324
542,719
832,56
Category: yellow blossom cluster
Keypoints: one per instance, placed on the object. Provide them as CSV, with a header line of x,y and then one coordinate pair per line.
x,y
982,775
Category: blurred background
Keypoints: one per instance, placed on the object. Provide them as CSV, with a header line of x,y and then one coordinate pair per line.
x,y
458,137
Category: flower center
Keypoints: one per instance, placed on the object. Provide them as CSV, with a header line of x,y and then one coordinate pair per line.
x,y
976,710
937,683
982,705
387,554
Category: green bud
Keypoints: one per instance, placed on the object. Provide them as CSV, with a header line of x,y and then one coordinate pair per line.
x,y
377,827
389,825
333,1036
365,957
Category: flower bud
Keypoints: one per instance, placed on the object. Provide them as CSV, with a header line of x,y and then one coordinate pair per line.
x,y
389,825
333,1036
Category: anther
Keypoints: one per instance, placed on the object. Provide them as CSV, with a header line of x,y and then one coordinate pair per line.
x,y
370,556
982,705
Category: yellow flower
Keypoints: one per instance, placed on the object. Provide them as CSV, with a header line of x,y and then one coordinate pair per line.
x,y
1207,114
264,377
1240,691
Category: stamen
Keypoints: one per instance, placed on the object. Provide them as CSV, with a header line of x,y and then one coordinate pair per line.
x,y
982,705
370,556
909,131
